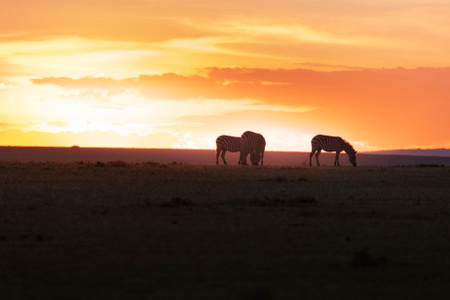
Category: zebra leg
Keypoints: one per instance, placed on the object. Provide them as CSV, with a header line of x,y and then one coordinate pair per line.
x,y
317,157
310,156
336,161
223,156
243,158
217,156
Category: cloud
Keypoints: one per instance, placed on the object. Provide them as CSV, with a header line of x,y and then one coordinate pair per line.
x,y
331,67
8,70
149,21
3,86
85,82
9,125
277,31
293,88
387,103
58,123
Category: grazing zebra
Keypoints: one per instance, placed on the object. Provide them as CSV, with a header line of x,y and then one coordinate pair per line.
x,y
255,144
255,158
226,143
329,144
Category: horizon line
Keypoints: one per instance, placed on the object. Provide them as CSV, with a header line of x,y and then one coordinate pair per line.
x,y
213,149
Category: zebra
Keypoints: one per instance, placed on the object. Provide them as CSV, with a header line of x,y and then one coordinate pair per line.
x,y
329,144
255,158
255,144
226,143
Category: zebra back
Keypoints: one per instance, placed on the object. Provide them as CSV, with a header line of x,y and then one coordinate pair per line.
x,y
328,143
229,143
253,141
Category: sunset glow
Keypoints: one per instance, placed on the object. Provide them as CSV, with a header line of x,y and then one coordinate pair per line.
x,y
177,74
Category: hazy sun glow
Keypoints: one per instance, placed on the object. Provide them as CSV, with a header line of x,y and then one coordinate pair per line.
x,y
176,74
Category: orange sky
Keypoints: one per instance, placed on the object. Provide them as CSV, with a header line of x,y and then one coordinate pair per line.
x,y
176,74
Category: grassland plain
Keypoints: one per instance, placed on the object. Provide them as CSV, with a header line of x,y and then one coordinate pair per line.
x,y
122,230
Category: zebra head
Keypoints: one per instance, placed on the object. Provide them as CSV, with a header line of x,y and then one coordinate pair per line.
x,y
352,158
351,152
255,157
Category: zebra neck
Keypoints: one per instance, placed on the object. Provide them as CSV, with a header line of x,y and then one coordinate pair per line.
x,y
349,149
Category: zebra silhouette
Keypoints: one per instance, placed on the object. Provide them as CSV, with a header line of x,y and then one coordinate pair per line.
x,y
330,144
255,145
229,143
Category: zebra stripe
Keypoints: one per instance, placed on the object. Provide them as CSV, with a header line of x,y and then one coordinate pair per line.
x,y
330,144
226,143
255,144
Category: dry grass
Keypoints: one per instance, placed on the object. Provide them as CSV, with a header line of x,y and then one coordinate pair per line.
x,y
162,231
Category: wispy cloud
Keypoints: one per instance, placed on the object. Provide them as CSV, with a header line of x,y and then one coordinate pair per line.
x,y
58,123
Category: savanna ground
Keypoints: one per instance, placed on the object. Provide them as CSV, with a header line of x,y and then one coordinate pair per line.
x,y
175,231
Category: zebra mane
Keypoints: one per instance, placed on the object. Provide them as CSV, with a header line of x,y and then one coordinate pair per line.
x,y
348,148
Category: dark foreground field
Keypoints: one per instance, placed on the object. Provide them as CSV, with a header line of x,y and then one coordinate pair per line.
x,y
174,231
